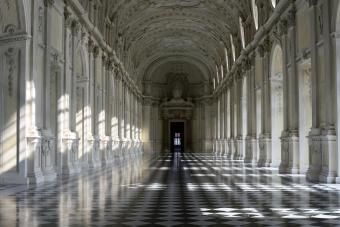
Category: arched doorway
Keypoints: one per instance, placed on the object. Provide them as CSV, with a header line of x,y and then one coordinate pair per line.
x,y
81,87
276,91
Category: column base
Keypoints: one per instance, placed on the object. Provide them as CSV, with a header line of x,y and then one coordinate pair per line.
x,y
337,180
50,175
93,154
105,150
265,151
289,153
239,148
251,156
35,178
231,146
322,150
70,159
328,177
225,147
15,178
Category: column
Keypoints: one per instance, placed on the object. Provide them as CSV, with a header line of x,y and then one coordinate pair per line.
x,y
104,136
115,119
265,157
239,135
226,126
290,138
315,152
70,141
222,104
91,110
146,132
251,147
231,141
330,165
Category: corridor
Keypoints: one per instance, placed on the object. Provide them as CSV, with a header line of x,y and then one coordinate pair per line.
x,y
191,189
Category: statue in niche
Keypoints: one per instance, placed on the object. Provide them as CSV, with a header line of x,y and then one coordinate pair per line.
x,y
177,90
177,107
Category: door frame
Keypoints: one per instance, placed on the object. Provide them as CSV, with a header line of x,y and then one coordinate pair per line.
x,y
185,132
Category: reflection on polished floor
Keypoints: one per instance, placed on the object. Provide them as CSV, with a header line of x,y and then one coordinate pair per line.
x,y
174,190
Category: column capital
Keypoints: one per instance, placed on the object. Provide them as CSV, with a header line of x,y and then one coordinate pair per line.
x,y
95,51
90,45
75,26
312,2
67,17
49,3
110,65
260,50
246,64
291,17
267,44
283,27
104,58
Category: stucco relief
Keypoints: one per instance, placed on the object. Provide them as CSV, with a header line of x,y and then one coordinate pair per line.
x,y
11,67
9,21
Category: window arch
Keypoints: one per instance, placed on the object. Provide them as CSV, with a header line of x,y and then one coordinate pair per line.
x,y
242,33
232,47
222,71
226,58
255,14
273,3
217,74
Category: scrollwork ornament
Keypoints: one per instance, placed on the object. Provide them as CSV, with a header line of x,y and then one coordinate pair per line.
x,y
267,45
320,18
40,19
49,3
95,51
291,17
75,26
260,50
67,17
47,147
10,54
283,27
312,2
90,45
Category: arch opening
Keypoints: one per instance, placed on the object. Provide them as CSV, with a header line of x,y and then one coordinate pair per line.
x,y
277,115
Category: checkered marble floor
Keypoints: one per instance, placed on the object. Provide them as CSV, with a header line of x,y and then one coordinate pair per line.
x,y
194,189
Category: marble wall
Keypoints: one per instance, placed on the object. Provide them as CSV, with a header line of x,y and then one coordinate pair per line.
x,y
68,103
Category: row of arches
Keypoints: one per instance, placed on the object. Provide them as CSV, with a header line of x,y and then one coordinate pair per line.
x,y
246,101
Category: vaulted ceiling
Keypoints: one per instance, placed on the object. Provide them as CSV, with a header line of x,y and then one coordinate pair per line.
x,y
175,34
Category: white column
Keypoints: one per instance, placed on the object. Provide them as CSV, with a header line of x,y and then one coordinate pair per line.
x,y
265,137
251,147
70,142
290,139
329,171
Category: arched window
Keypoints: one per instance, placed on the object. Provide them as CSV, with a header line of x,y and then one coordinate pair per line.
x,y
273,3
217,74
255,14
242,33
222,72
232,47
226,58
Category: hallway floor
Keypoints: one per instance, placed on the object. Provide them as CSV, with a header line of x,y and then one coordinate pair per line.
x,y
174,190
